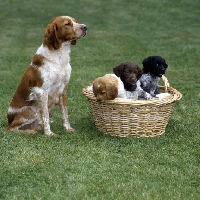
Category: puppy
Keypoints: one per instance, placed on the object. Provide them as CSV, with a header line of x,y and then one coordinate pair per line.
x,y
129,73
108,87
153,69
44,84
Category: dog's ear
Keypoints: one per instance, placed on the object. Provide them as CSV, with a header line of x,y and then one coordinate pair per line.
x,y
139,74
111,91
147,64
50,37
118,70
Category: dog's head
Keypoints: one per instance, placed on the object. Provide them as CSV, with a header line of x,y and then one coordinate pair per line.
x,y
129,74
105,88
62,29
155,65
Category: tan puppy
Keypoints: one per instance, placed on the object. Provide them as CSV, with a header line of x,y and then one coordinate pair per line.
x,y
108,87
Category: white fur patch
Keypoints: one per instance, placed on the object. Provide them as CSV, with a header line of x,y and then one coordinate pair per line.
x,y
12,110
162,95
16,110
121,90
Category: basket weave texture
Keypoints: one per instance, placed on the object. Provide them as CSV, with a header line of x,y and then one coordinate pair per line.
x,y
128,117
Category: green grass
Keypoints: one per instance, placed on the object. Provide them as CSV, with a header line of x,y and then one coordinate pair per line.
x,y
90,164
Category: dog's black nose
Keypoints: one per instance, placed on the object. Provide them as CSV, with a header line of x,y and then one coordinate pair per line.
x,y
85,28
163,70
99,100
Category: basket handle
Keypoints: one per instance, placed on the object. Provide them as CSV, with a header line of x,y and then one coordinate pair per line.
x,y
166,82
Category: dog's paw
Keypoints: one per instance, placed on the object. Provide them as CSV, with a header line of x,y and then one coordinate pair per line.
x,y
153,95
50,133
68,128
162,95
31,131
71,130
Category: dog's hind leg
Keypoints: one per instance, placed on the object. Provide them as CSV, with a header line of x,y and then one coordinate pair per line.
x,y
23,121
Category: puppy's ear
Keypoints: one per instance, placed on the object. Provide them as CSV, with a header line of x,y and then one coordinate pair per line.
x,y
94,86
147,63
111,91
118,70
139,73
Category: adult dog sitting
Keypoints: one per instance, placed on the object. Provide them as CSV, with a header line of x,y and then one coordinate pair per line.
x,y
153,69
45,82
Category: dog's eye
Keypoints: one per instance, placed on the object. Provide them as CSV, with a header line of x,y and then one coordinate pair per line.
x,y
103,92
67,24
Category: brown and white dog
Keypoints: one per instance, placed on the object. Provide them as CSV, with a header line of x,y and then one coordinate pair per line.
x,y
108,87
44,84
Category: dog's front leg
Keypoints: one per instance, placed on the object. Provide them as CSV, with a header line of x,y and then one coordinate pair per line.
x,y
152,87
157,91
45,114
64,111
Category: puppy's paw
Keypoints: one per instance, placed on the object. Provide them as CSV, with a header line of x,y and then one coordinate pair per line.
x,y
162,95
153,95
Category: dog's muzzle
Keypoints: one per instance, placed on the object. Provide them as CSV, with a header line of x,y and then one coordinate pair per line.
x,y
84,29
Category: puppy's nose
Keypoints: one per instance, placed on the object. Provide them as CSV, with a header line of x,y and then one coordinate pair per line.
x,y
162,69
133,79
98,100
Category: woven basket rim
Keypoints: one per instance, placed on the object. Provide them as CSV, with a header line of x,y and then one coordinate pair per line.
x,y
175,95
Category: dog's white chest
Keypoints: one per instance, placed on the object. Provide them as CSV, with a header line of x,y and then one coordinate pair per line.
x,y
57,70
56,78
55,73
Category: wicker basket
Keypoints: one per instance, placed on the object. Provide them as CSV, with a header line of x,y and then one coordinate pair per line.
x,y
127,117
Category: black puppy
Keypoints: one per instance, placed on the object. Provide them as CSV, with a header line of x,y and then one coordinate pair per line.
x,y
153,69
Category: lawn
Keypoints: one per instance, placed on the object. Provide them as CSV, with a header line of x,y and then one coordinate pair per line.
x,y
89,164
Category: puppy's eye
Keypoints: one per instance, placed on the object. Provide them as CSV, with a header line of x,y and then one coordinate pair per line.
x,y
67,24
103,92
